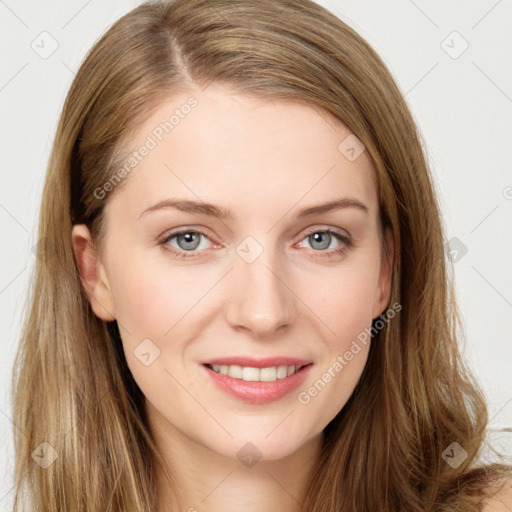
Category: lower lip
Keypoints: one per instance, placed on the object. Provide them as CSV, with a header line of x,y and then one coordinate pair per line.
x,y
256,392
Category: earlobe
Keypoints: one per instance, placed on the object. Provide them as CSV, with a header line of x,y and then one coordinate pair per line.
x,y
92,273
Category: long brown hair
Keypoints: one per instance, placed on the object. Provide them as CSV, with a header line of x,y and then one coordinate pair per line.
x,y
71,385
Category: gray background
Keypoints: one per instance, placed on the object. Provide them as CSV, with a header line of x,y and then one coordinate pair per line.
x,y
461,101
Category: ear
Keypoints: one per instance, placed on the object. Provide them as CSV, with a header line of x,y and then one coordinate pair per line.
x,y
385,276
92,273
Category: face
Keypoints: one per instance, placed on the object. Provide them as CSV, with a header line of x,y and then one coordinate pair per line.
x,y
271,279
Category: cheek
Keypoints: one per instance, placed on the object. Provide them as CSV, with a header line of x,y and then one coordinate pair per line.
x,y
345,307
139,301
148,300
345,299
151,303
159,301
344,304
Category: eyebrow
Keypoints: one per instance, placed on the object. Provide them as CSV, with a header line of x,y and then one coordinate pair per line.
x,y
212,210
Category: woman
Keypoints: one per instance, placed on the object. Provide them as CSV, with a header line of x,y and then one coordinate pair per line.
x,y
189,345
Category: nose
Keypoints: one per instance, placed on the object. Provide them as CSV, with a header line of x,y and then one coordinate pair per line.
x,y
261,300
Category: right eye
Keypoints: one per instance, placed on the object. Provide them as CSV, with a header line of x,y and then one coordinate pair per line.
x,y
188,241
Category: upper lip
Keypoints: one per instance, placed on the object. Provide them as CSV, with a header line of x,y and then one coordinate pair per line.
x,y
252,362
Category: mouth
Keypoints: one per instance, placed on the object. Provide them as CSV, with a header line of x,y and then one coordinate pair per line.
x,y
257,385
254,374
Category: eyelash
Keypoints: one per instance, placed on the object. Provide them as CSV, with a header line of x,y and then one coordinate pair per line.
x,y
347,241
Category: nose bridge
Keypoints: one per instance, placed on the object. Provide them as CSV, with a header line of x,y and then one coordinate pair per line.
x,y
261,300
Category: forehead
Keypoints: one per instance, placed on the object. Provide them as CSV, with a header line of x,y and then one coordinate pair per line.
x,y
250,154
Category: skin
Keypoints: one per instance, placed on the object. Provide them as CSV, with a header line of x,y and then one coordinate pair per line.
x,y
263,160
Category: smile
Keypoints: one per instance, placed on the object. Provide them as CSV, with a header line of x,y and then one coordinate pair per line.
x,y
257,385
250,374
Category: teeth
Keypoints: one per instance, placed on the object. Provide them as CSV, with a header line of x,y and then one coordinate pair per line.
x,y
268,374
282,372
235,371
250,374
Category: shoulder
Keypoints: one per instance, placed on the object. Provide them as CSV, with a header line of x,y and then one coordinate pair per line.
x,y
500,498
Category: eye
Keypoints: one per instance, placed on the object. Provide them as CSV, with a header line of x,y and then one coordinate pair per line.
x,y
187,240
321,239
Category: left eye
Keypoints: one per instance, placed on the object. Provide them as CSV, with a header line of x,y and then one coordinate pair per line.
x,y
323,238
